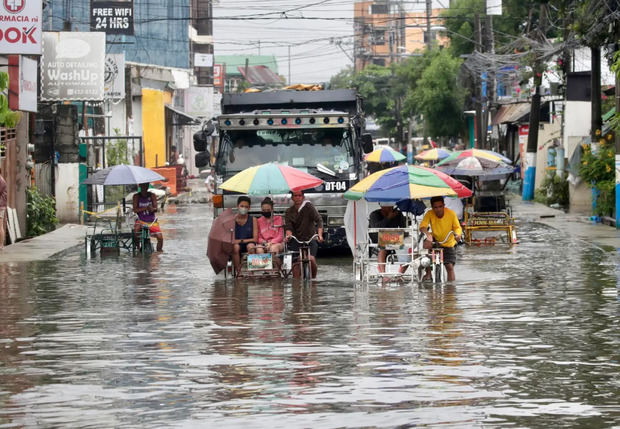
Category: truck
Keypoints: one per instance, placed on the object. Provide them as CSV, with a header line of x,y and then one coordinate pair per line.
x,y
318,132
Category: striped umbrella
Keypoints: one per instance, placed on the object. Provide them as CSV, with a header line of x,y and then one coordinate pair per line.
x,y
406,181
384,154
476,163
480,154
432,155
269,179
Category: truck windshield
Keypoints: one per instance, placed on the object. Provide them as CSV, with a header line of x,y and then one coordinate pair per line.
x,y
300,148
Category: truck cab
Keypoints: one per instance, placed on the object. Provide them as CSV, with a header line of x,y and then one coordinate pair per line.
x,y
318,132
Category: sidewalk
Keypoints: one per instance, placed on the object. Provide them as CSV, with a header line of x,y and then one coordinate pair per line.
x,y
578,226
44,246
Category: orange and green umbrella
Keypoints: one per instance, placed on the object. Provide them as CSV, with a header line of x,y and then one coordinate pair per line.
x,y
384,154
267,179
406,182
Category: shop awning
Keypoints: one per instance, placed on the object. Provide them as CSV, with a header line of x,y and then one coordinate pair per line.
x,y
512,113
181,118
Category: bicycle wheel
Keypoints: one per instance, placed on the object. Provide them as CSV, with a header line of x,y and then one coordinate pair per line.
x,y
305,270
439,273
147,246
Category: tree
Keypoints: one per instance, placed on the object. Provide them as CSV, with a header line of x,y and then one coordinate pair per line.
x,y
375,85
343,79
439,97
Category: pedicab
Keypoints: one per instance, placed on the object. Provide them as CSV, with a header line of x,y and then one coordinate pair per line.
x,y
487,211
261,180
406,260
113,233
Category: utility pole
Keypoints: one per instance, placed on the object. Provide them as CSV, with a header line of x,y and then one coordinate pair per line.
x,y
478,84
595,81
429,12
532,136
489,46
289,64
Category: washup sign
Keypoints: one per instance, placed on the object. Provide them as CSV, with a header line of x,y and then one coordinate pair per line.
x,y
260,262
20,27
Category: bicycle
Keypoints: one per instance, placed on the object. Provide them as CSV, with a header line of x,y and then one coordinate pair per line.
x,y
304,257
144,239
434,260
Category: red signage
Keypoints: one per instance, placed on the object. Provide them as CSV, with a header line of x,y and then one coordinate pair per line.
x,y
219,76
20,27
14,6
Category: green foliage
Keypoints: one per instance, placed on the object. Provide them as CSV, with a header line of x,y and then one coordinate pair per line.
x,y
439,97
116,153
343,79
553,190
597,169
8,118
40,213
376,85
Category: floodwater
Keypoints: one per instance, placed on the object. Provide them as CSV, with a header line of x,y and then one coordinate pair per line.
x,y
526,337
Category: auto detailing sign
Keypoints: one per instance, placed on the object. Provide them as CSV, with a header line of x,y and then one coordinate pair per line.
x,y
20,27
112,17
72,66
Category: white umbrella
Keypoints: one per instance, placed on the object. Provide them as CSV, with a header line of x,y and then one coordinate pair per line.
x,y
123,175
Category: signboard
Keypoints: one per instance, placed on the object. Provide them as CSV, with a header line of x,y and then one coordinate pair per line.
x,y
20,27
494,7
523,132
22,83
114,76
391,239
199,101
203,60
262,261
111,17
218,76
72,66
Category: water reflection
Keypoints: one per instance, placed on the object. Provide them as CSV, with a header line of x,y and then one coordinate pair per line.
x,y
527,337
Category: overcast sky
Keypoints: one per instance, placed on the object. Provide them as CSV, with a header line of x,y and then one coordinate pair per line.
x,y
314,58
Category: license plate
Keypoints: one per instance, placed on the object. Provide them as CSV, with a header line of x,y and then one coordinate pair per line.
x,y
335,186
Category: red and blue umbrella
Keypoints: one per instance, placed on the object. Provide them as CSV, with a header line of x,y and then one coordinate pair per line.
x,y
267,179
406,182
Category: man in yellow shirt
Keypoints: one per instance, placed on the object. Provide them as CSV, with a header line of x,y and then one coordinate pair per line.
x,y
442,221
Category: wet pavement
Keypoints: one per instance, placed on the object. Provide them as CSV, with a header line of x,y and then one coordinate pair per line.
x,y
528,336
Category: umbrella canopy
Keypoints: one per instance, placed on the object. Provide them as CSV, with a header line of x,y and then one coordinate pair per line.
x,y
432,155
482,164
406,181
270,178
476,153
123,175
384,154
220,242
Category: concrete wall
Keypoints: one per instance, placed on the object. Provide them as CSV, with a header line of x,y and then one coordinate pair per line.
x,y
546,135
67,192
153,127
576,126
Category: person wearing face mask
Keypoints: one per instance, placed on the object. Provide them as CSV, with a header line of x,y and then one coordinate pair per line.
x,y
246,231
270,229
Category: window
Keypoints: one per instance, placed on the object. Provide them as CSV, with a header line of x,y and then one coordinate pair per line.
x,y
378,37
379,8
379,62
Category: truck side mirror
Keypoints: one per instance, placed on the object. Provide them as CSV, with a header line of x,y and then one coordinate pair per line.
x,y
367,143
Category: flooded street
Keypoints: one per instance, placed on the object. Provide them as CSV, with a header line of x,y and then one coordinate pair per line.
x,y
528,336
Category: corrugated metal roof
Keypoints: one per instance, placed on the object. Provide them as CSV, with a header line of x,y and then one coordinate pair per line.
x,y
259,75
232,62
511,113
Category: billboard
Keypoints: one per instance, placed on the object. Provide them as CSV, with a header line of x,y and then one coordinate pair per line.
x,y
114,76
199,101
111,17
20,27
72,66
219,76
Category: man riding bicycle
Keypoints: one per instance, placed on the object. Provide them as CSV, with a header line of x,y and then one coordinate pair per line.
x,y
445,230
302,220
145,206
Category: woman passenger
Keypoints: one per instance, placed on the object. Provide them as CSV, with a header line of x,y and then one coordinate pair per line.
x,y
246,232
270,229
